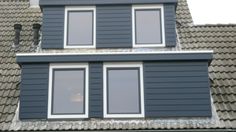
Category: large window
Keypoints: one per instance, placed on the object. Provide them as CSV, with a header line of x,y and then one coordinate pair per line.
x,y
148,26
68,91
80,27
123,90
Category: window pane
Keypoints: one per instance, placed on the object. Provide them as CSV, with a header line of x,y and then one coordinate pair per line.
x,y
123,91
148,26
80,28
68,91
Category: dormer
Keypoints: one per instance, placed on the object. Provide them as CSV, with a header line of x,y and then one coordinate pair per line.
x,y
112,61
108,24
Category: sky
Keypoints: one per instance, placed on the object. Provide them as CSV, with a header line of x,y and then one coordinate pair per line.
x,y
213,11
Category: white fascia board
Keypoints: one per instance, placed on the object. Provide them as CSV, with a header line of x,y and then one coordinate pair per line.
x,y
117,53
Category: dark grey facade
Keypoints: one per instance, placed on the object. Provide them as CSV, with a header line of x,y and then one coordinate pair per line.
x,y
113,26
172,89
170,20
95,90
175,84
34,91
178,89
53,27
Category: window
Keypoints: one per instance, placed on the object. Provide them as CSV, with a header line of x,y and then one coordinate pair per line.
x,y
80,27
148,26
68,91
123,90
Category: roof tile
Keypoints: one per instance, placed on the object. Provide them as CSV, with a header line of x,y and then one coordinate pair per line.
x,y
220,38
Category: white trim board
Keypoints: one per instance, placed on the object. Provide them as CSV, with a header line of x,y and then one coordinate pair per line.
x,y
80,8
68,66
123,65
117,53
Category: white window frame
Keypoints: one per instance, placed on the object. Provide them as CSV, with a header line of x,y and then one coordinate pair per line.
x,y
123,65
68,66
159,6
79,8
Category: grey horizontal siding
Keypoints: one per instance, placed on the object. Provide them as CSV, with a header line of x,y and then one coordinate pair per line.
x,y
110,19
176,89
95,90
34,91
96,2
53,27
113,26
116,57
170,29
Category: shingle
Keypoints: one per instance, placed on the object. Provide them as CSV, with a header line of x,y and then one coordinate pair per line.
x,y
220,38
13,12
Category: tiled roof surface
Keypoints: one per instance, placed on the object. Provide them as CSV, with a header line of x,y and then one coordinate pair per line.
x,y
13,12
183,15
221,39
222,72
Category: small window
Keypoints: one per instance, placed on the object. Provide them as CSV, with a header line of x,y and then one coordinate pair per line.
x,y
80,27
68,91
123,91
148,29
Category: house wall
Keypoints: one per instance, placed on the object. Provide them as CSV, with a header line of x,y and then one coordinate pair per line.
x,y
172,89
176,89
53,27
34,91
95,90
113,26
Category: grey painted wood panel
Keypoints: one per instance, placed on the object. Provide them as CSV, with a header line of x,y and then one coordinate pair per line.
x,y
34,91
53,27
171,96
113,26
181,92
96,2
113,17
170,29
95,90
118,57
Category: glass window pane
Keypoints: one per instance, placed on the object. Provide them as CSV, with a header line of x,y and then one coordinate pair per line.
x,y
148,26
123,91
68,91
80,28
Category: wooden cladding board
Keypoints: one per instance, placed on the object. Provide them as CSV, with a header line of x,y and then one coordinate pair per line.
x,y
176,89
171,89
113,26
34,91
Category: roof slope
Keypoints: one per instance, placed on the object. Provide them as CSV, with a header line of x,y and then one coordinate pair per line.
x,y
183,15
221,39
12,12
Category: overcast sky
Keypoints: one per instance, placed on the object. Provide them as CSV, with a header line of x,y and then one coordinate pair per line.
x,y
213,11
